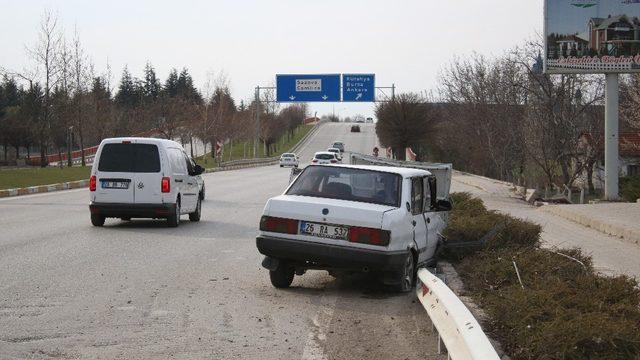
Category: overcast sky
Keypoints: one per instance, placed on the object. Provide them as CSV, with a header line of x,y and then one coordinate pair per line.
x,y
406,42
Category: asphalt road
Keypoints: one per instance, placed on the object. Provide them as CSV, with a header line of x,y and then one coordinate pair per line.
x,y
141,290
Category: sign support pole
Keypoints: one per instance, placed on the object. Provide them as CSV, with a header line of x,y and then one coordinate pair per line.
x,y
611,158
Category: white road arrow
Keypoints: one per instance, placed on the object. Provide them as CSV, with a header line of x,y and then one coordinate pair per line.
x,y
325,97
292,97
358,96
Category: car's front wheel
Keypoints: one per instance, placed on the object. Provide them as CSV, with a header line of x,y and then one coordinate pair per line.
x,y
282,276
407,275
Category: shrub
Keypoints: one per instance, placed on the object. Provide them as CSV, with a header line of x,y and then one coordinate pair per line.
x,y
562,309
630,188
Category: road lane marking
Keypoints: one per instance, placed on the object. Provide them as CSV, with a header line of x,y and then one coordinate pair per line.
x,y
322,319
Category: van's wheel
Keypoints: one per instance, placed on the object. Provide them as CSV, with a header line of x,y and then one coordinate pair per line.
x,y
174,220
407,275
97,220
282,276
195,216
202,193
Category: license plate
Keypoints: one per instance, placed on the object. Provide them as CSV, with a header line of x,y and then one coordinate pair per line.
x,y
324,231
115,184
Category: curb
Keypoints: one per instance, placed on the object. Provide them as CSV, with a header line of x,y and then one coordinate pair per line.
x,y
619,231
85,183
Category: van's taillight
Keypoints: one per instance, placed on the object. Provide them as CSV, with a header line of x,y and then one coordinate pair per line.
x,y
92,183
166,184
126,142
370,236
279,225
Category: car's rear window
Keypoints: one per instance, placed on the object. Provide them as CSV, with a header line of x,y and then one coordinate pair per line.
x,y
141,158
348,184
325,156
287,155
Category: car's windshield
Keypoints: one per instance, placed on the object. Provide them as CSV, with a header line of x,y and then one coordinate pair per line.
x,y
325,156
140,158
348,184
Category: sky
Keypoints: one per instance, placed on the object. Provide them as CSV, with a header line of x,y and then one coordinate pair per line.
x,y
403,42
564,18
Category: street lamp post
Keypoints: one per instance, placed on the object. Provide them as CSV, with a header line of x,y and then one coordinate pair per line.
x,y
69,145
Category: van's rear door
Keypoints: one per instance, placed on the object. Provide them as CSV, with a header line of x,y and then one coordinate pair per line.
x,y
114,176
148,177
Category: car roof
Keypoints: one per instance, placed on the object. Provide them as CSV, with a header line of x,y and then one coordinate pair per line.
x,y
337,142
402,171
142,140
283,154
331,149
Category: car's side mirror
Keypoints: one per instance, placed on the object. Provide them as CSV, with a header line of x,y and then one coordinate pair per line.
x,y
197,170
408,207
443,205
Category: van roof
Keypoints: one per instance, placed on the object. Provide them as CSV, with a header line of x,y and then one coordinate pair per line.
x,y
142,140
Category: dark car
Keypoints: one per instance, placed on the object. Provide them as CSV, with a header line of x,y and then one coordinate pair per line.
x,y
355,128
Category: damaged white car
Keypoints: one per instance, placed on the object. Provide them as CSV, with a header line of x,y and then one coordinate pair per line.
x,y
355,218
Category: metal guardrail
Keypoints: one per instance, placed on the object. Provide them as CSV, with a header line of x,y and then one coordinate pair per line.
x,y
457,328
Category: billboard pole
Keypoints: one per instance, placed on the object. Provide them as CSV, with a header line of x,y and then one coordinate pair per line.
x,y
611,137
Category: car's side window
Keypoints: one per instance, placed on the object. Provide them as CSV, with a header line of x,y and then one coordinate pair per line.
x,y
177,161
416,196
189,164
427,194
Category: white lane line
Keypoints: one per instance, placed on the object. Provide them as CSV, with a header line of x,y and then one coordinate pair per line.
x,y
321,322
32,196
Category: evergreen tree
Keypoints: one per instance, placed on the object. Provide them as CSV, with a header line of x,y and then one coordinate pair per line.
x,y
129,90
151,85
171,85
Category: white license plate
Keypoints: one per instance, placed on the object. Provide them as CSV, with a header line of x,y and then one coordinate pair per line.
x,y
115,184
324,231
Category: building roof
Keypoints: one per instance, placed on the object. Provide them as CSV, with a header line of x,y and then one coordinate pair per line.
x,y
628,143
604,23
573,38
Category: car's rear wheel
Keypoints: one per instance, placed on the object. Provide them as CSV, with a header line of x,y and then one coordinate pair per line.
x,y
195,216
174,219
202,193
282,276
97,220
407,275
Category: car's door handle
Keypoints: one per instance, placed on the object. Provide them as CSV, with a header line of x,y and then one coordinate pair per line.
x,y
413,223
189,183
428,220
178,180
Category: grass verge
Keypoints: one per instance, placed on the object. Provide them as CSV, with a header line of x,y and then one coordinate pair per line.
x,y
244,149
19,178
560,308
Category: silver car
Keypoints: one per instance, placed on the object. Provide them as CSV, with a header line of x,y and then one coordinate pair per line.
x,y
289,159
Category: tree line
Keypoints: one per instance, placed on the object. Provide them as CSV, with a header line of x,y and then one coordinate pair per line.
x,y
502,117
63,103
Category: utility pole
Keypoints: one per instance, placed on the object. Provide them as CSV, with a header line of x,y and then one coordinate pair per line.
x,y
257,139
393,92
69,145
611,137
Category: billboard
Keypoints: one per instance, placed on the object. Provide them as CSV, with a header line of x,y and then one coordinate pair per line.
x,y
592,36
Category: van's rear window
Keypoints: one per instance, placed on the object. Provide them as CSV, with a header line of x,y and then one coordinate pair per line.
x,y
141,158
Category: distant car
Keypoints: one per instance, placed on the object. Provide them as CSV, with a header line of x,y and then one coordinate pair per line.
x,y
375,219
336,152
324,157
144,178
289,159
338,145
355,128
361,121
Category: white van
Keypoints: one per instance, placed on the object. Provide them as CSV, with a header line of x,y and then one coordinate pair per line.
x,y
144,178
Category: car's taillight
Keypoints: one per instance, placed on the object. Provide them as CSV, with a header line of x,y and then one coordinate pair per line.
x,y
166,184
92,183
279,225
333,161
369,236
314,161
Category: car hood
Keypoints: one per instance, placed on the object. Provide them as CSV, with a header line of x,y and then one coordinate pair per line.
x,y
341,212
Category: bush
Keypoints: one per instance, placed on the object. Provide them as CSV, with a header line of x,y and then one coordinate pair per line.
x,y
630,188
562,309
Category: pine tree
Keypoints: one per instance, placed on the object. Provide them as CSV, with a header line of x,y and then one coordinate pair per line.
x,y
171,85
126,95
151,85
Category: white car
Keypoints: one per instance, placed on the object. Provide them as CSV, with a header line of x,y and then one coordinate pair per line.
x,y
289,159
353,218
336,152
144,178
324,157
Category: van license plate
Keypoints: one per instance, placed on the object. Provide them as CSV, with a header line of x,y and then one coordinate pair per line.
x,y
115,184
324,231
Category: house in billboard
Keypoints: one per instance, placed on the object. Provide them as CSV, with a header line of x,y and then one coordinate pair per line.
x,y
572,45
614,35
